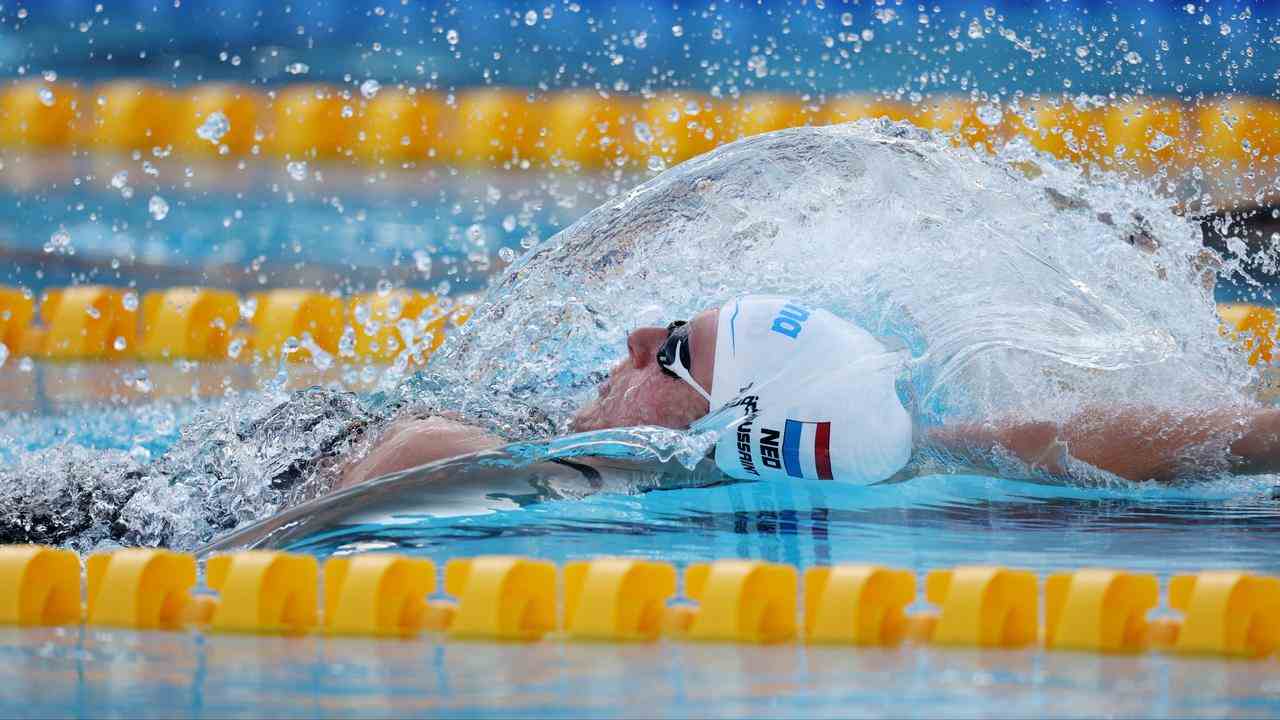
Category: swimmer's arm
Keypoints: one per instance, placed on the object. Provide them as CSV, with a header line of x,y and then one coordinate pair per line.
x,y
1136,444
411,442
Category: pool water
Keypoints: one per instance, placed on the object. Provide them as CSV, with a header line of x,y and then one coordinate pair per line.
x,y
95,673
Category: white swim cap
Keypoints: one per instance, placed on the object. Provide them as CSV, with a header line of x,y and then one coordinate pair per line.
x,y
817,392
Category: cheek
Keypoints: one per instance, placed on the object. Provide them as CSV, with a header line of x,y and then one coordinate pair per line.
x,y
642,398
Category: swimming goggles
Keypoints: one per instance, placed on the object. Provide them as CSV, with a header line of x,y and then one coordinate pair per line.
x,y
673,356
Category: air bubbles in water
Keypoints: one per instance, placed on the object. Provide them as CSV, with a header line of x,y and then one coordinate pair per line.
x,y
158,207
297,68
297,170
120,180
4,354
507,255
120,344
1133,58
975,30
214,127
643,133
46,97
656,163
531,18
369,88
452,37
130,301
235,347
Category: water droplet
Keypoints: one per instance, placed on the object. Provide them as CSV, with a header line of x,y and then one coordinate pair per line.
x,y
643,133
159,207
215,125
990,114
656,163
297,68
1159,141
531,18
369,88
142,381
384,287
451,37
248,307
1190,8
120,179
49,76
297,170
846,19
1224,29
507,255
119,344
886,15
235,347
422,261
1082,52
1132,57
46,97
59,241
677,30
130,301
975,30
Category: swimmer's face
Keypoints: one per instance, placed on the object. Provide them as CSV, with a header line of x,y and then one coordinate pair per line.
x,y
637,392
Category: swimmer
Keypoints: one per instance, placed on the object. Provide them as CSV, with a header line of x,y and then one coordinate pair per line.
x,y
814,396
804,394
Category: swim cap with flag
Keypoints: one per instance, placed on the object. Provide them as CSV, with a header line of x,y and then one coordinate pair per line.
x,y
817,394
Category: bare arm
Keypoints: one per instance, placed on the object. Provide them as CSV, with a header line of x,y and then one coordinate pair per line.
x,y
1134,444
416,441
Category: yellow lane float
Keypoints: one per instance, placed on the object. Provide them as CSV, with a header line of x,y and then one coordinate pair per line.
x,y
187,323
494,127
509,598
312,122
41,115
132,115
403,126
590,131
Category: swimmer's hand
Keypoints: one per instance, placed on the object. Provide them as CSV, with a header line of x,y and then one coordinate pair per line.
x,y
411,442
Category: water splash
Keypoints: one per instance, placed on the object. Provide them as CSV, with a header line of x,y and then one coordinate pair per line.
x,y
1016,281
1019,285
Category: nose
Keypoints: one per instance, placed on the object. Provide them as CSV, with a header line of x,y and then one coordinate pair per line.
x,y
643,344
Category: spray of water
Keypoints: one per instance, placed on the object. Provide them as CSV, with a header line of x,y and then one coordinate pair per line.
x,y
1021,286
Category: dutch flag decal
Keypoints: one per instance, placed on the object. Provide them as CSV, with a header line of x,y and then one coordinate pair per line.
x,y
806,449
